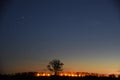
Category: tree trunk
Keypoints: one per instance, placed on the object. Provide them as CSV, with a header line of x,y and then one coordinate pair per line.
x,y
55,73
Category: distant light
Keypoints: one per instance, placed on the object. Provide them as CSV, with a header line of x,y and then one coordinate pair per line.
x,y
75,75
38,74
69,75
79,75
43,74
61,74
48,74
65,74
72,75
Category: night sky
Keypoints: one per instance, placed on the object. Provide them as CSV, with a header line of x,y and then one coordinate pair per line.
x,y
83,34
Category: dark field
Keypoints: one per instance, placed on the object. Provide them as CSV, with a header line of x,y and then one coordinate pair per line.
x,y
33,77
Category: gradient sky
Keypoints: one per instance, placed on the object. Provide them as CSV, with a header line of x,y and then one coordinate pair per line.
x,y
83,34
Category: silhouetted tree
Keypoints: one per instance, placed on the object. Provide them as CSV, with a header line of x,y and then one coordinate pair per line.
x,y
55,66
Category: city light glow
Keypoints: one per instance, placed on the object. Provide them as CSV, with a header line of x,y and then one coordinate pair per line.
x,y
74,74
43,74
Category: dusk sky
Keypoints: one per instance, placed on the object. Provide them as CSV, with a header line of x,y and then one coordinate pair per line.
x,y
83,34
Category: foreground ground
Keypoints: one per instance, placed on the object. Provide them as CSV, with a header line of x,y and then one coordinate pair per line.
x,y
28,77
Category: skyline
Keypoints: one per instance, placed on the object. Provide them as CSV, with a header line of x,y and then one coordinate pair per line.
x,y
84,35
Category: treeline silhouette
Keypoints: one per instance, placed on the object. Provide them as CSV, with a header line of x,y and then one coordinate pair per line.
x,y
32,76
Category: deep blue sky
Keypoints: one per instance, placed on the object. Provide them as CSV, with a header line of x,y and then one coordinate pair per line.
x,y
83,34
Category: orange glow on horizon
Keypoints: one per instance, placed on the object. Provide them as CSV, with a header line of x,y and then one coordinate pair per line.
x,y
74,74
43,74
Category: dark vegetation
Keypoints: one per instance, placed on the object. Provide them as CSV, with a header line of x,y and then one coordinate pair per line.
x,y
32,76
